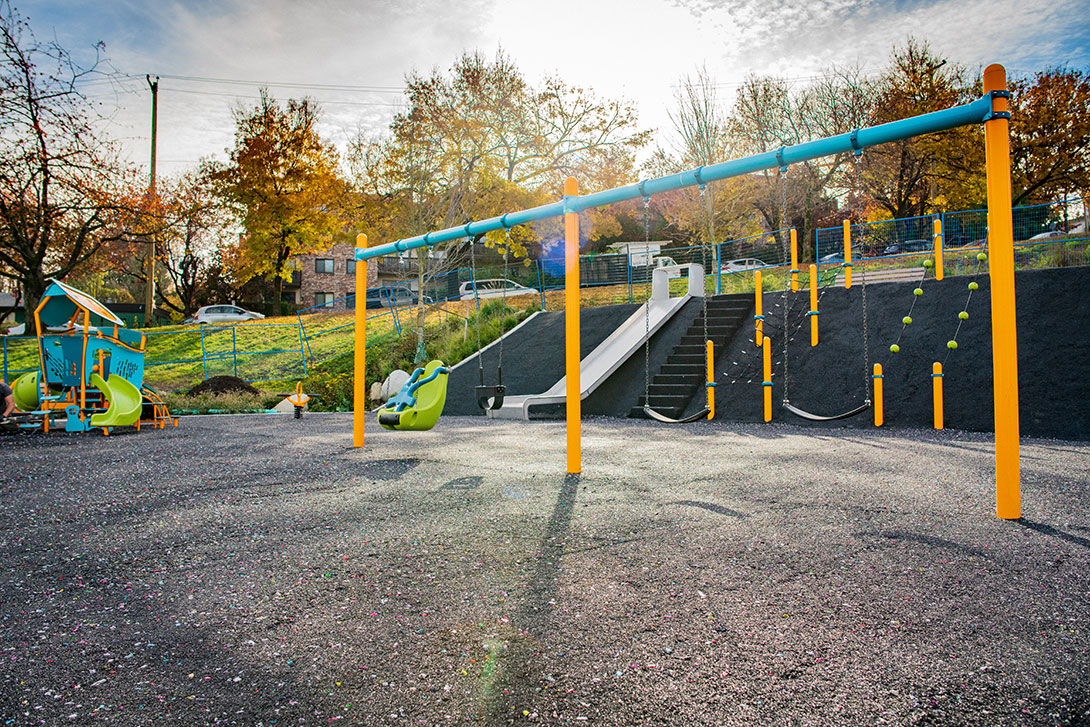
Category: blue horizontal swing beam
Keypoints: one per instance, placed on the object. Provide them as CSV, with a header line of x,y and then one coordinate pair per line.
x,y
976,112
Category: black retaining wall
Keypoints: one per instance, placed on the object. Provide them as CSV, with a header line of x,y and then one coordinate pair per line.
x,y
533,356
1053,313
1053,357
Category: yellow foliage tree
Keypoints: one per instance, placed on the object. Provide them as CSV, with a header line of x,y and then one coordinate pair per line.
x,y
283,182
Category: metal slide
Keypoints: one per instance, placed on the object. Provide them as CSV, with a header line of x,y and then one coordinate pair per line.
x,y
629,337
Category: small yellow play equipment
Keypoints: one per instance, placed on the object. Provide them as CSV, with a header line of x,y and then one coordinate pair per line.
x,y
298,400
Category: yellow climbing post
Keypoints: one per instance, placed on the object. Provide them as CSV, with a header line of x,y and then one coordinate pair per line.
x,y
936,387
711,380
847,254
813,305
1008,504
758,315
794,261
359,384
571,330
767,383
879,414
937,226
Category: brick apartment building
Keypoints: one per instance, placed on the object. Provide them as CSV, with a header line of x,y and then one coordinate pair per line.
x,y
325,277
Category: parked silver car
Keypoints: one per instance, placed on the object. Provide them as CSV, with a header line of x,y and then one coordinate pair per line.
x,y
493,288
223,314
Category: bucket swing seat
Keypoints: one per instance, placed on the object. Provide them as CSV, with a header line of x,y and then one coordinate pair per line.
x,y
420,402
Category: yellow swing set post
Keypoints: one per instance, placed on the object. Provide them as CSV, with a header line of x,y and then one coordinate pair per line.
x,y
1008,504
571,331
359,384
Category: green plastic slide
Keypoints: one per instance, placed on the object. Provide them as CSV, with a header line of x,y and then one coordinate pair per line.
x,y
125,402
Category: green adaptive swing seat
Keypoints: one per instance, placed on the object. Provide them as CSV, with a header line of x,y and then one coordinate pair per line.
x,y
420,402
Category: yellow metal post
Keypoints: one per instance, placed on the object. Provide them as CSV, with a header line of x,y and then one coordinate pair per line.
x,y
758,313
767,383
879,414
794,261
711,380
571,329
813,305
359,384
938,248
1004,330
936,387
847,254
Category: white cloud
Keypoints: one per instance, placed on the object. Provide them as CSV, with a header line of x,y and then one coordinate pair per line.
x,y
636,49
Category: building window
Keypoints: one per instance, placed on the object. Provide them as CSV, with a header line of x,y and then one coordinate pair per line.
x,y
325,299
350,266
323,265
350,301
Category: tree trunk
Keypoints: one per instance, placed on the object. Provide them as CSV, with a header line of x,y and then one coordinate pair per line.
x,y
33,287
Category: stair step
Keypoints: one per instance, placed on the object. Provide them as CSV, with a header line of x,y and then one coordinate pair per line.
x,y
725,320
691,377
675,358
675,369
673,388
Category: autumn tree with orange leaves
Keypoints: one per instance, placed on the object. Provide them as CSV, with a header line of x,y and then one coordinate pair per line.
x,y
284,185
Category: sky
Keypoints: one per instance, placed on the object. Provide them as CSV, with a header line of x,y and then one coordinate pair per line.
x,y
353,55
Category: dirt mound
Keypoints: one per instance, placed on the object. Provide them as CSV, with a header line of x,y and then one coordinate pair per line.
x,y
222,385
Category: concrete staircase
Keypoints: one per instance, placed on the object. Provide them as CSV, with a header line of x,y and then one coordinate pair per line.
x,y
683,374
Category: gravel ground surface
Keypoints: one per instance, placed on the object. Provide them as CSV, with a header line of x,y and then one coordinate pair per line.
x,y
259,571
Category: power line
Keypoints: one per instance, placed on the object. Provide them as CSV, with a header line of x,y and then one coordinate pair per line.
x,y
277,84
257,98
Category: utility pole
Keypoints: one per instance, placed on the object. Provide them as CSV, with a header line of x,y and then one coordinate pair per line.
x,y
149,261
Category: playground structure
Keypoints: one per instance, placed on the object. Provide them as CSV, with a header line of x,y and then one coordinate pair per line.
x,y
90,377
989,110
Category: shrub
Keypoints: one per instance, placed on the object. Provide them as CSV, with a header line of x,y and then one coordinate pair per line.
x,y
226,403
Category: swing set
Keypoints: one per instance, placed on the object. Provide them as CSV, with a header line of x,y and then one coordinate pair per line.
x,y
990,110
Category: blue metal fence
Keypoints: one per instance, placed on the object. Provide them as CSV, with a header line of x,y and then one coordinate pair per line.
x,y
1046,235
1062,222
21,347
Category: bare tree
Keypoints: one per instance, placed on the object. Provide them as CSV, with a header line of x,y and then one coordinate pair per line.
x,y
62,188
769,113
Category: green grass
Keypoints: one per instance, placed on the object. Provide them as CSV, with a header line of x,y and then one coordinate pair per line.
x,y
449,338
242,349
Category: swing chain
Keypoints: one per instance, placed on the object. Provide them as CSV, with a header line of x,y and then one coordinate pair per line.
x,y
863,289
709,230
477,301
781,177
647,307
503,312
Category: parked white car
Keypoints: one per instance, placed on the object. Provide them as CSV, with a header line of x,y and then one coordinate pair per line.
x,y
493,288
741,264
224,314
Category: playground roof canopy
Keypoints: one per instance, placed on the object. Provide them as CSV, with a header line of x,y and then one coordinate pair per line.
x,y
61,302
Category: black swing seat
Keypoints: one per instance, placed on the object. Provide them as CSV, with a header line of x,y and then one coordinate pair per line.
x,y
702,414
490,397
818,418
